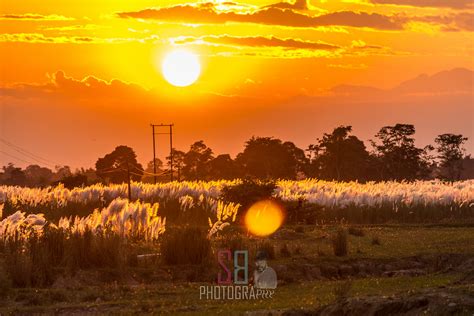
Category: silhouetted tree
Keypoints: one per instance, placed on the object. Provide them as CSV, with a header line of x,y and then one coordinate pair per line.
x,y
178,162
195,161
63,172
451,153
73,181
37,176
339,156
270,158
398,157
114,167
160,172
13,175
222,167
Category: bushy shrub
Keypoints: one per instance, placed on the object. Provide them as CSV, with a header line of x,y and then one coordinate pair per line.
x,y
248,192
339,242
188,245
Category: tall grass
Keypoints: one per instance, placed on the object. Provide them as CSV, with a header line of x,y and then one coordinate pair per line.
x,y
312,200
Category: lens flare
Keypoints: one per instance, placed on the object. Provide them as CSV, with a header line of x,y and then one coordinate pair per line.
x,y
264,218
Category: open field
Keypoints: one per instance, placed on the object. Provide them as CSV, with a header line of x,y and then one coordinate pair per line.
x,y
415,261
94,264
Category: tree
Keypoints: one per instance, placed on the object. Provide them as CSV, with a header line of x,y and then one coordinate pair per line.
x,y
150,170
195,161
13,175
116,166
37,176
339,156
397,154
451,153
178,162
269,158
222,167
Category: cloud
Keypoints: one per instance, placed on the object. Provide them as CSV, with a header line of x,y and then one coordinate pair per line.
x,y
297,5
82,27
206,13
463,21
35,17
349,66
61,85
41,38
256,41
454,4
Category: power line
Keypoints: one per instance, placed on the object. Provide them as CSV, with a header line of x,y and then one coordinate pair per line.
x,y
28,154
17,158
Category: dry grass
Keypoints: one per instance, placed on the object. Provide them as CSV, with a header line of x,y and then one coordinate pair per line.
x,y
339,242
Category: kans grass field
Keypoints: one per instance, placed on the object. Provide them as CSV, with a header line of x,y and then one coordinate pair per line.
x,y
342,248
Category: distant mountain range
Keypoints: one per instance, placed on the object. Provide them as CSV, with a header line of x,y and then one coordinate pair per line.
x,y
457,80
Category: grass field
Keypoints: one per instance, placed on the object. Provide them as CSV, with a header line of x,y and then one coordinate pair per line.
x,y
343,248
435,254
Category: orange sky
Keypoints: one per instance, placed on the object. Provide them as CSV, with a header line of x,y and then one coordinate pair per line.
x,y
80,77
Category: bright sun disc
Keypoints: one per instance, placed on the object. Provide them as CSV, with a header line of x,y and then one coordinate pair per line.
x,y
181,68
264,218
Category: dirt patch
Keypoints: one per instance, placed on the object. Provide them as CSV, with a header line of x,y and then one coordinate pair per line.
x,y
432,302
309,269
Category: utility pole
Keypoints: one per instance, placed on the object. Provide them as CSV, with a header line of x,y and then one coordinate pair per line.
x,y
129,184
171,151
171,148
154,153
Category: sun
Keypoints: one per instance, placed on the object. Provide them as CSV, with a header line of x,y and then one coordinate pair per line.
x,y
181,68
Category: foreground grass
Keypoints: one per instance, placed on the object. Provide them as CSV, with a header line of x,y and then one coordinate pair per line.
x,y
395,241
305,244
183,298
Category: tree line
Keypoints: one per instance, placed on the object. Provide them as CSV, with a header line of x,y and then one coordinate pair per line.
x,y
338,155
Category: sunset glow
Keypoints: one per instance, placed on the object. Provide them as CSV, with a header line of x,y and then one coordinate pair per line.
x,y
181,68
289,69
